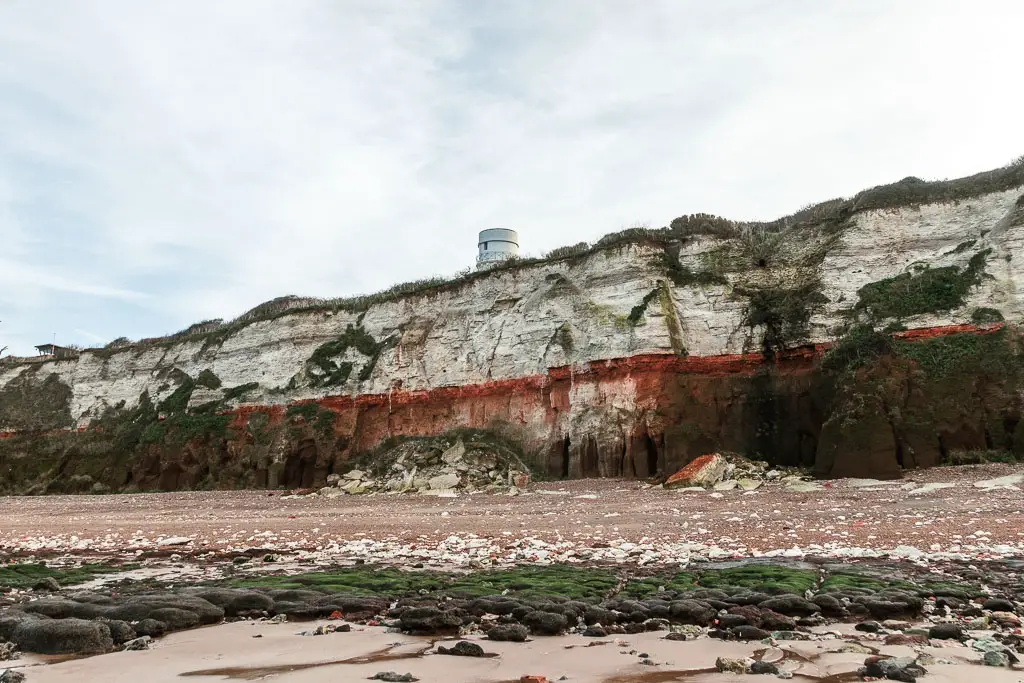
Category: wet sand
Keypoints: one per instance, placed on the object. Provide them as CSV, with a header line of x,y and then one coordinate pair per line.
x,y
229,652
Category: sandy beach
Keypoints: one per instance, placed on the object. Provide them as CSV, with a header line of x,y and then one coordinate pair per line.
x,y
234,652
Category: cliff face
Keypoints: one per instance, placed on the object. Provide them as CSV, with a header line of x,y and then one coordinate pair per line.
x,y
628,360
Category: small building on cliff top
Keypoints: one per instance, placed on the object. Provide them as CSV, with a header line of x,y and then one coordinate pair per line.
x,y
56,351
495,246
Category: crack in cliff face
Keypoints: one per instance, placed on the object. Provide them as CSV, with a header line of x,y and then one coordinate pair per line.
x,y
497,342
668,309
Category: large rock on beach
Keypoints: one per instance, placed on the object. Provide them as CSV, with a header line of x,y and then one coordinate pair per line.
x,y
63,636
545,623
513,633
429,621
705,471
463,648
235,602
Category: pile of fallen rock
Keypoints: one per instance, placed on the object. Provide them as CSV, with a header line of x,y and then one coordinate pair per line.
x,y
725,472
438,466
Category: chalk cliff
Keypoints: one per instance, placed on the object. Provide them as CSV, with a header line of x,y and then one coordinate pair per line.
x,y
628,358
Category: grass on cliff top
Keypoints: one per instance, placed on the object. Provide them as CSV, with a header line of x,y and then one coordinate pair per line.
x,y
521,582
27,575
908,192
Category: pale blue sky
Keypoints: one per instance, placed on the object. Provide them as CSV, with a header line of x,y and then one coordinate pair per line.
x,y
163,162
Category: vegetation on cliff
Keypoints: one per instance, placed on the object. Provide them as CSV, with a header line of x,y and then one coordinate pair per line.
x,y
326,367
636,314
36,400
923,290
144,446
777,274
901,404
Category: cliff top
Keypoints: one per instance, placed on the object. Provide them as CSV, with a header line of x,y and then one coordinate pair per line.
x,y
906,193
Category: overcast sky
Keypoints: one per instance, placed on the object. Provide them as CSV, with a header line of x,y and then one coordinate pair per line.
x,y
167,161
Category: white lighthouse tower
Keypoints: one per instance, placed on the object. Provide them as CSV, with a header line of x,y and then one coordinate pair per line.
x,y
496,245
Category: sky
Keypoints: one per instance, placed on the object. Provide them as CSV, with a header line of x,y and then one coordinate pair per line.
x,y
170,161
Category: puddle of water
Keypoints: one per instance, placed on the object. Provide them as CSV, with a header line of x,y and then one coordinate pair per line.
x,y
252,673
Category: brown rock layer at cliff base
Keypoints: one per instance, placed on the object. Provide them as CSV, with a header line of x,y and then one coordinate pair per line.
x,y
633,417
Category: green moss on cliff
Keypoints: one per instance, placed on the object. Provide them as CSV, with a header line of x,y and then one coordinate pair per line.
x,y
996,354
96,460
563,337
325,369
314,415
668,310
782,313
926,290
208,380
777,274
307,411
683,276
35,401
177,402
177,424
984,316
240,391
861,345
903,404
637,312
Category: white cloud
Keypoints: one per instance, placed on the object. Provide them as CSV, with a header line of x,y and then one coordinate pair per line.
x,y
164,162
